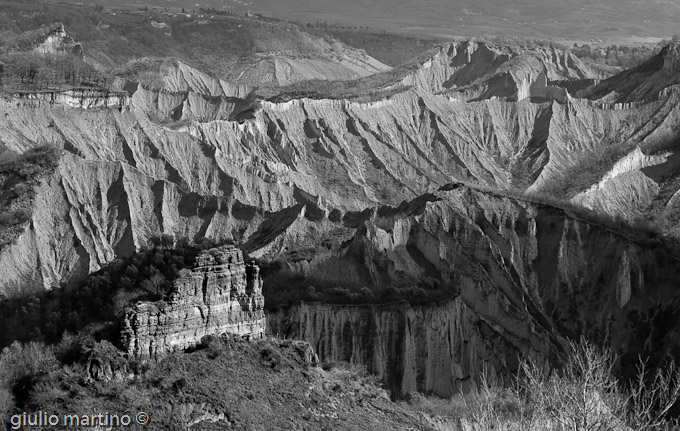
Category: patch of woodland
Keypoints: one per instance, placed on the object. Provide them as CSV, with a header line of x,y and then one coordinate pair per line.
x,y
282,288
32,71
623,56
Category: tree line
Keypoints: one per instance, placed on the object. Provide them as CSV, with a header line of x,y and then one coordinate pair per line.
x,y
30,71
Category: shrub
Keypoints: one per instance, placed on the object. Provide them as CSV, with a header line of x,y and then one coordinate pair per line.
x,y
20,367
581,395
270,358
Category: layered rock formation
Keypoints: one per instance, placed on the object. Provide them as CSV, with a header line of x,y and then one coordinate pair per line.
x,y
221,294
520,276
78,98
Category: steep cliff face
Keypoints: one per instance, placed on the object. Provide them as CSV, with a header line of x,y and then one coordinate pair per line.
x,y
77,98
520,276
221,294
438,349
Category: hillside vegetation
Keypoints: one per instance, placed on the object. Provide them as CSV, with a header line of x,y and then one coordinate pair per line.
x,y
389,48
28,71
228,383
19,176
221,45
581,393
225,383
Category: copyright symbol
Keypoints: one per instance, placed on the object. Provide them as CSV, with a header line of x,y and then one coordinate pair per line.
x,y
142,418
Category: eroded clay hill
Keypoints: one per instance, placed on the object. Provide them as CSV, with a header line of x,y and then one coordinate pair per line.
x,y
328,61
519,275
476,71
198,159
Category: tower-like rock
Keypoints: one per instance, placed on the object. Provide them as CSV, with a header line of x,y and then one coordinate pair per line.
x,y
221,294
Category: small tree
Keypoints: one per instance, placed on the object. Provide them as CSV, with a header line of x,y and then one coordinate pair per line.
x,y
585,396
652,396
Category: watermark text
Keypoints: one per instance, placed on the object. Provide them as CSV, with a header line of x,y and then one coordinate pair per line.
x,y
66,420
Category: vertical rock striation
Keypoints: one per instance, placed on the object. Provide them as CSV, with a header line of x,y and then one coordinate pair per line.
x,y
221,294
439,348
520,277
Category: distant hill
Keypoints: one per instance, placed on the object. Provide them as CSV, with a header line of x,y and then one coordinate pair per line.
x,y
599,19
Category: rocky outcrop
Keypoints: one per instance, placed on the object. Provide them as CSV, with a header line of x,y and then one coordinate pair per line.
x,y
220,295
77,98
57,41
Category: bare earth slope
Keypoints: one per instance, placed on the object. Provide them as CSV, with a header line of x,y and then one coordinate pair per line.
x,y
205,162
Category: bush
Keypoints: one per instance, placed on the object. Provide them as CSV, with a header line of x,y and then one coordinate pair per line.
x,y
20,368
581,395
270,358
